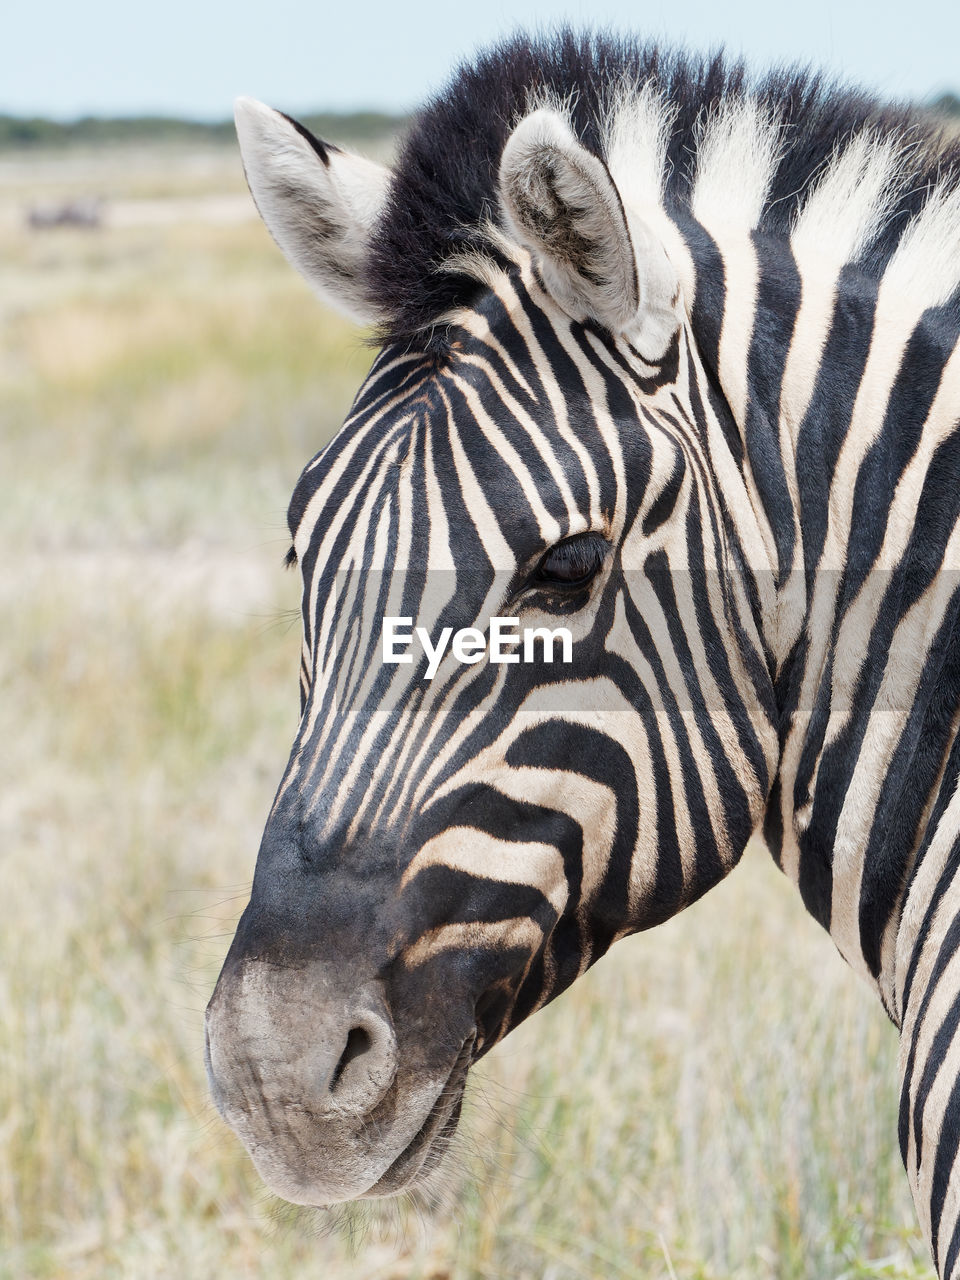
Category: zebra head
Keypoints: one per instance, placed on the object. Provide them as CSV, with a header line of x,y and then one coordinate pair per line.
x,y
462,831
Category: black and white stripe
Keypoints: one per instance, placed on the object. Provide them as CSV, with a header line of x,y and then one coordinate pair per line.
x,y
758,415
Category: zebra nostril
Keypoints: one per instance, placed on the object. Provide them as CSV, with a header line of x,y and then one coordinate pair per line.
x,y
364,1061
358,1043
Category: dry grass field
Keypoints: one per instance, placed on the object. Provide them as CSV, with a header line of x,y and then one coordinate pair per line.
x,y
715,1101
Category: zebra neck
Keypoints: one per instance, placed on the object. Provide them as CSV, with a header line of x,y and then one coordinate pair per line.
x,y
847,404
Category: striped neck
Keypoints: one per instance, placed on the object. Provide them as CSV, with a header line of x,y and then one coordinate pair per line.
x,y
844,394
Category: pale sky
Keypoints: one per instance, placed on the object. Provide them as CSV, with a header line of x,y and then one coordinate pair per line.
x,y
193,57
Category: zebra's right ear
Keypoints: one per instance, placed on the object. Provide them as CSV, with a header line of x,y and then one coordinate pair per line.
x,y
319,203
561,203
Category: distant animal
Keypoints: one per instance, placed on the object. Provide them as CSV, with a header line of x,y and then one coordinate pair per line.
x,y
669,359
86,213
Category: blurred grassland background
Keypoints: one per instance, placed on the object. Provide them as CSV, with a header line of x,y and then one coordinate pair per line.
x,y
716,1100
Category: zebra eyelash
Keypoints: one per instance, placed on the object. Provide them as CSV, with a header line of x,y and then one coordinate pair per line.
x,y
572,563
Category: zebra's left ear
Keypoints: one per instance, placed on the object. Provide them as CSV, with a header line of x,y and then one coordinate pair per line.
x,y
561,203
319,203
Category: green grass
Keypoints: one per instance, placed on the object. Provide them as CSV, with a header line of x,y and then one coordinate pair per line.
x,y
715,1101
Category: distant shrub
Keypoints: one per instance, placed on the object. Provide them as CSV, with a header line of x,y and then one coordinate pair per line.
x,y
29,132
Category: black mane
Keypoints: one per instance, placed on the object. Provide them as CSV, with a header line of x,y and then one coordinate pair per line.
x,y
445,185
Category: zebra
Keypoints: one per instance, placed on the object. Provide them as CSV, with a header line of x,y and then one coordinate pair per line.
x,y
668,356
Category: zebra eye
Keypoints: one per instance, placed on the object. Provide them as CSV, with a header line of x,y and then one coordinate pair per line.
x,y
573,563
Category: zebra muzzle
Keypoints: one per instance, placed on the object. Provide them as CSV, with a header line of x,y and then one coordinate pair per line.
x,y
314,1083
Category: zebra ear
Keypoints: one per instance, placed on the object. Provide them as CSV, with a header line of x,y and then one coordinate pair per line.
x,y
561,203
319,203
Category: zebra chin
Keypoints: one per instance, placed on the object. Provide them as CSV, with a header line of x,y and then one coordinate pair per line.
x,y
306,1164
328,1104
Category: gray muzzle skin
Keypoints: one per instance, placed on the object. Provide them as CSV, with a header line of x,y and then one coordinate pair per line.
x,y
312,1081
